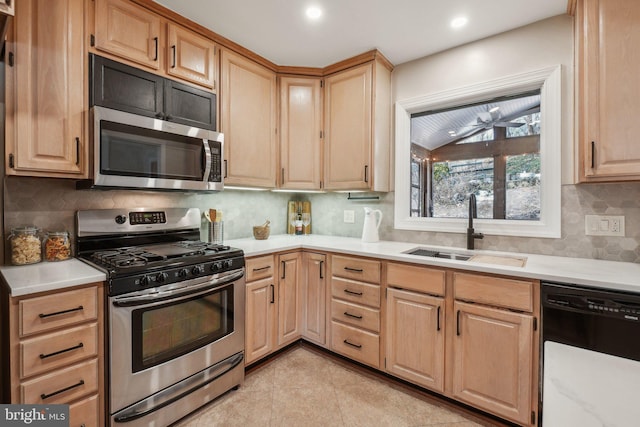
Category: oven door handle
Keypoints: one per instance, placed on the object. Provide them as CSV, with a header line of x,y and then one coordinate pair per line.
x,y
218,281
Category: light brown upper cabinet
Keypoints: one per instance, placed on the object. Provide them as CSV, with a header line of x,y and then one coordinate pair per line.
x,y
608,89
45,90
129,31
138,35
190,56
357,118
248,121
300,133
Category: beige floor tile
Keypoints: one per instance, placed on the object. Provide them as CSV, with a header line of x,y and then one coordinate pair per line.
x,y
303,388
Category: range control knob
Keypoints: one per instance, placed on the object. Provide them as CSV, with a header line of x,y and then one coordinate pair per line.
x,y
145,281
216,266
183,272
197,270
121,219
161,277
228,263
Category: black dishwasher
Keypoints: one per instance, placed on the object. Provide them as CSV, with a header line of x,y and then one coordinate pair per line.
x,y
590,356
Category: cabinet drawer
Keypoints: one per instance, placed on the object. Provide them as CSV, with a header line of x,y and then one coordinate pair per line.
x,y
497,291
361,293
84,412
62,386
47,312
356,268
355,343
356,315
419,279
259,268
51,351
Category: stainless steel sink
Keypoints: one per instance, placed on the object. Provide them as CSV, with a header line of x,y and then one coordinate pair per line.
x,y
438,254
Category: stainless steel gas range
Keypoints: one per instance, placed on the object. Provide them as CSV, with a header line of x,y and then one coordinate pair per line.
x,y
175,311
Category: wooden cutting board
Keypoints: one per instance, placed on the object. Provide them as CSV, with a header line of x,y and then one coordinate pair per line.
x,y
499,260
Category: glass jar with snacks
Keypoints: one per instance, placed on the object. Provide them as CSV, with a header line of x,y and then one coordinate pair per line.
x,y
26,246
57,246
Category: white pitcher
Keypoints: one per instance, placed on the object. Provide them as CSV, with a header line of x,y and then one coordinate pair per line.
x,y
370,228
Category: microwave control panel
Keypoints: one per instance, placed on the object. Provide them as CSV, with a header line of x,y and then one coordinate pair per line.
x,y
216,161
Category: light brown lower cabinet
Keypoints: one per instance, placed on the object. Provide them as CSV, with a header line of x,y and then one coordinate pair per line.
x,y
289,300
415,337
471,337
55,352
493,360
260,297
272,304
313,289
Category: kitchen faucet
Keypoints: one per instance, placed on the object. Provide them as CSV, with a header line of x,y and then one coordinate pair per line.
x,y
471,235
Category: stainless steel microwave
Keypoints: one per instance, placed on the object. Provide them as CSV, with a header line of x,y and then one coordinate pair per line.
x,y
132,151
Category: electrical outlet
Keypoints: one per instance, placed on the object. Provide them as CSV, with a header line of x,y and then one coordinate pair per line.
x,y
349,217
604,225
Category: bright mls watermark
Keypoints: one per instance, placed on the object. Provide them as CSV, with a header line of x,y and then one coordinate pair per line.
x,y
34,415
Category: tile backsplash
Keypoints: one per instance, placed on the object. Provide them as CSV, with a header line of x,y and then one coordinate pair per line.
x,y
51,205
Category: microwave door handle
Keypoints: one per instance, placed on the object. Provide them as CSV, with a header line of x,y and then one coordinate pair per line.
x,y
207,160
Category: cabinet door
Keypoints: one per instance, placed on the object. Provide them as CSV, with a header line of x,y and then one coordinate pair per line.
x,y
260,310
121,87
609,92
248,120
348,129
300,127
493,360
188,105
45,90
129,31
190,56
289,314
314,297
415,338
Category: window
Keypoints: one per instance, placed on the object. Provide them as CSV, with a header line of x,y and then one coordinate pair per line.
x,y
490,149
506,152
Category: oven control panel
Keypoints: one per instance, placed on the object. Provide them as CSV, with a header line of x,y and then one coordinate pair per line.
x,y
167,275
136,218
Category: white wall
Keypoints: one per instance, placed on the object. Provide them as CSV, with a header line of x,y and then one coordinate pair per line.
x,y
539,45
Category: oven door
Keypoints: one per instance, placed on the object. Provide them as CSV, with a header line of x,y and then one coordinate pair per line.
x,y
141,152
163,336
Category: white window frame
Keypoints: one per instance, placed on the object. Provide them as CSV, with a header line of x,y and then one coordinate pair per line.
x,y
549,81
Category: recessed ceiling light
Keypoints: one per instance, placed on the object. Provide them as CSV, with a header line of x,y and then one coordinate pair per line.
x,y
314,12
459,22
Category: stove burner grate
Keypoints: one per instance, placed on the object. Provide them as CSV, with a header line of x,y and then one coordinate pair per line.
x,y
125,257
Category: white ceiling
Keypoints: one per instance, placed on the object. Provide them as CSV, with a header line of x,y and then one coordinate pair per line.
x,y
401,29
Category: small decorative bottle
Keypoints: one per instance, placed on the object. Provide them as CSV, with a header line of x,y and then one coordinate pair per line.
x,y
299,224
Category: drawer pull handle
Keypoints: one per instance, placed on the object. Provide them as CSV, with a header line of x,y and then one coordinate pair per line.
x,y
352,344
44,396
262,268
355,316
55,353
347,291
355,270
42,315
321,268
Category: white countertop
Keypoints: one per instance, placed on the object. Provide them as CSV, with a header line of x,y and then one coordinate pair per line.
x,y
49,276
623,276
